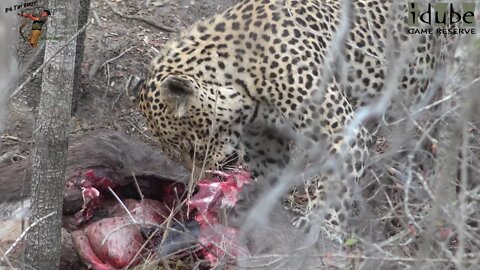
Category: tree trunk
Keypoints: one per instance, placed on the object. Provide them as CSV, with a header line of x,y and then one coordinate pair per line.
x,y
77,86
50,137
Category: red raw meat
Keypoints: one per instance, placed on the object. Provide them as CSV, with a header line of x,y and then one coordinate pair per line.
x,y
125,239
122,239
214,194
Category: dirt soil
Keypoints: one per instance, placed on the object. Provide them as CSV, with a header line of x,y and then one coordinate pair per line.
x,y
102,102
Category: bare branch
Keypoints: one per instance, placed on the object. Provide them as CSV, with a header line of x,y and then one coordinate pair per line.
x,y
140,18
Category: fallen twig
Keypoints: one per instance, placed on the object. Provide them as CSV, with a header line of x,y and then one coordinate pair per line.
x,y
116,57
11,138
97,19
145,20
118,97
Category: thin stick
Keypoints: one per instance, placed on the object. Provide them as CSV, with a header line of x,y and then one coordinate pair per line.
x,y
108,80
122,204
407,193
12,138
447,98
462,196
139,18
116,57
192,182
35,73
118,97
6,259
138,187
97,19
12,247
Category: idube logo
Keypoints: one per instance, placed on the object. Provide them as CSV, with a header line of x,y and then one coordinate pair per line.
x,y
444,18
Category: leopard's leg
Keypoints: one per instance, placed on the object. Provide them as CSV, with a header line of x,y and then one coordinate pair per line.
x,y
343,159
329,206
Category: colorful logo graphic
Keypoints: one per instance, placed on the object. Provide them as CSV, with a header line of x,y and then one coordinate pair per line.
x,y
441,18
38,22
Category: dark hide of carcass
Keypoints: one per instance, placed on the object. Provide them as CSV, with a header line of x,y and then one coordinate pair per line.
x,y
111,154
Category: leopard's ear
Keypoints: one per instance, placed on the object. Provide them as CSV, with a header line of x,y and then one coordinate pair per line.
x,y
178,93
133,86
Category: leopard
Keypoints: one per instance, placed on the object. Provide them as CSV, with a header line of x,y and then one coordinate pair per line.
x,y
245,84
